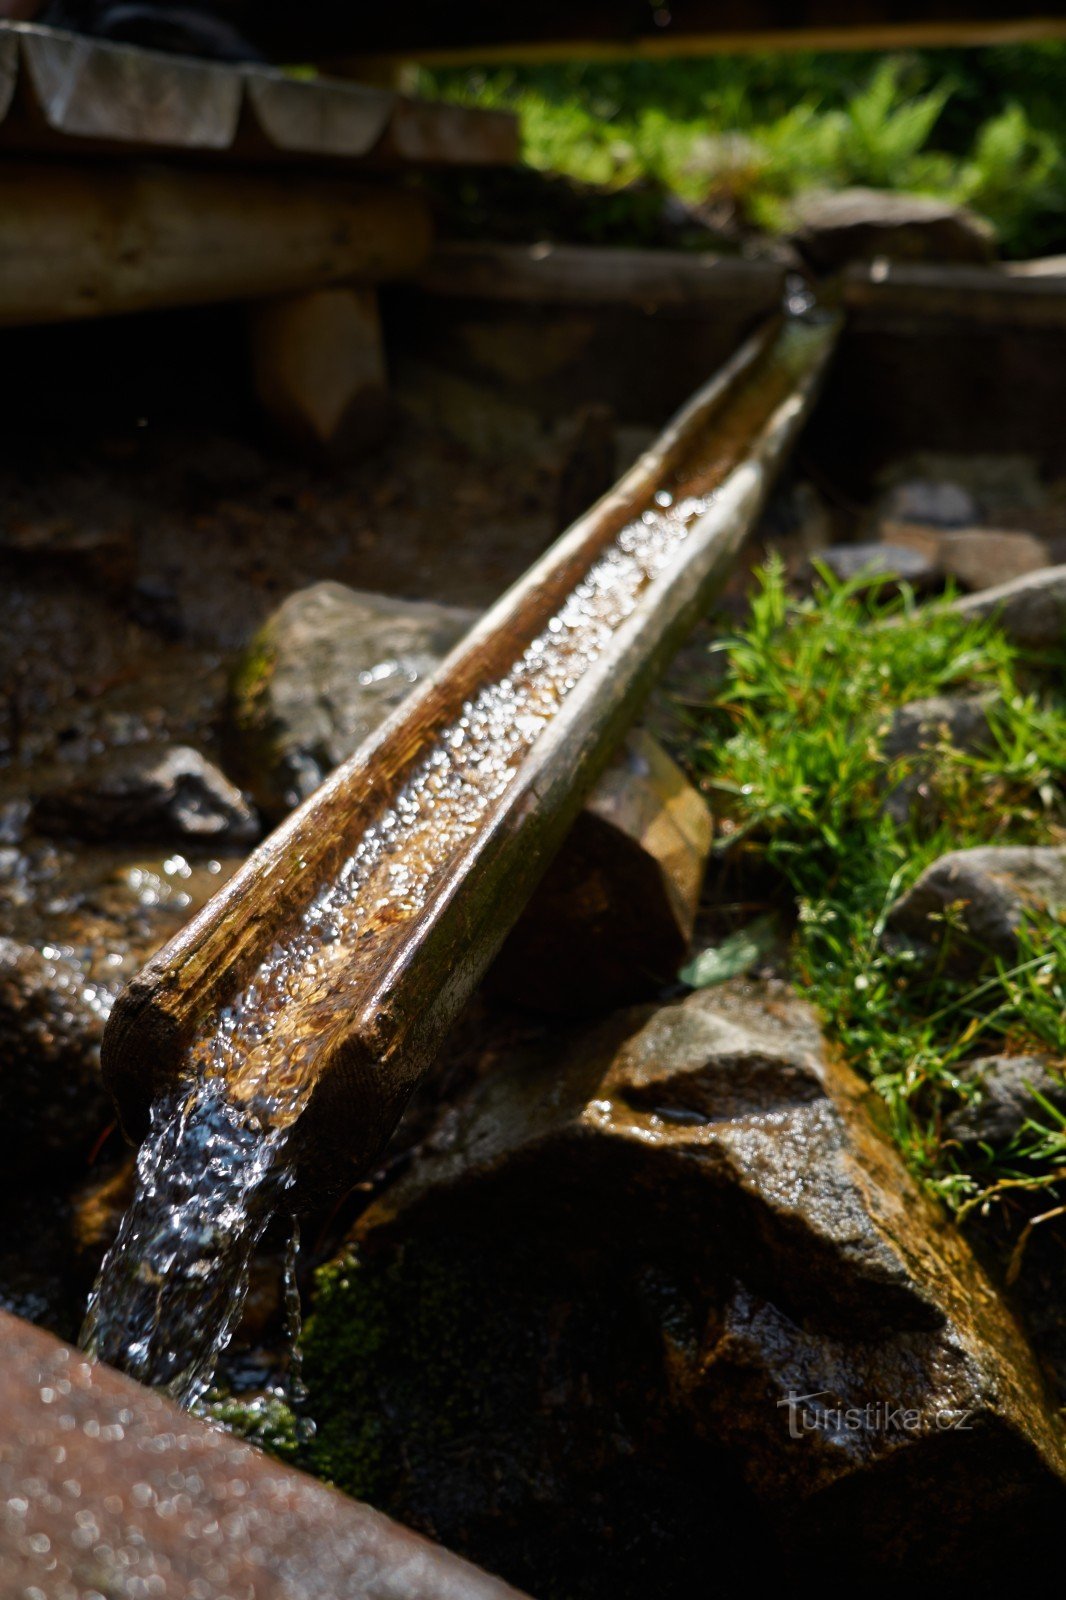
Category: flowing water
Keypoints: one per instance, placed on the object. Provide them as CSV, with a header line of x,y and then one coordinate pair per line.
x,y
217,1159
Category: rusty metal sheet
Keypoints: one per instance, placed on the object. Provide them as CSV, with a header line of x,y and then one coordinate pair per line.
x,y
318,117
87,88
106,1488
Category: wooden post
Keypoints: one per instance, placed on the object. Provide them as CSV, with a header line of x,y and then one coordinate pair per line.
x,y
318,366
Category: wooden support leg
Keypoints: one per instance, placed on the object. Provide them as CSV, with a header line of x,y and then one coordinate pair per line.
x,y
318,366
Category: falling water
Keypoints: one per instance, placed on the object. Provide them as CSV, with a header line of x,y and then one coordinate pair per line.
x,y
217,1159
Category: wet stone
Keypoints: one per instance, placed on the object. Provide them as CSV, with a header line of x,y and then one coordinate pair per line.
x,y
170,793
78,926
670,1229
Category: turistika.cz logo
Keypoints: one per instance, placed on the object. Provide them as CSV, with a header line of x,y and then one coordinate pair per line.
x,y
807,1415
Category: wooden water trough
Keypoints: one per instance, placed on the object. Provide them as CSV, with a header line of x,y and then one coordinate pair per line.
x,y
320,981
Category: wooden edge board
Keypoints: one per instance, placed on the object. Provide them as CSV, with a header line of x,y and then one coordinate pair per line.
x,y
101,94
562,274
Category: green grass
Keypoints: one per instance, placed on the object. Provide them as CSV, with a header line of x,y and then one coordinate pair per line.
x,y
745,135
789,747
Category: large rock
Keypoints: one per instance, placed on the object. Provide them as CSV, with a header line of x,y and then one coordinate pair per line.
x,y
975,901
862,224
321,674
671,1294
169,793
1031,610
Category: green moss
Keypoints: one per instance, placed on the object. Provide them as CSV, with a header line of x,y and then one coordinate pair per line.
x,y
398,1327
252,675
264,1420
791,744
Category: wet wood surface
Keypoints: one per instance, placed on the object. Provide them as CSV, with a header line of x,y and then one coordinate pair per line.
x,y
411,975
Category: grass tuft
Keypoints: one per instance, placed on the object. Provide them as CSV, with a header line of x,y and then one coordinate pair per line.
x,y
789,743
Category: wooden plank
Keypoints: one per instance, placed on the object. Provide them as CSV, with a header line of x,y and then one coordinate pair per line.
x,y
135,237
90,89
1026,295
543,30
106,96
318,984
324,117
558,274
431,133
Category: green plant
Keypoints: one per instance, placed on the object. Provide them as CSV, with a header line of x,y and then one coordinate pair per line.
x,y
791,745
981,126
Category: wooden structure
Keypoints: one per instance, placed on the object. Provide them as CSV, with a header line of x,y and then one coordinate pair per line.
x,y
486,30
67,93
131,180
353,974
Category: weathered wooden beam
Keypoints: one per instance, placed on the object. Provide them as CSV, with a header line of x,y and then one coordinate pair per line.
x,y
558,274
131,238
318,984
1027,294
107,1488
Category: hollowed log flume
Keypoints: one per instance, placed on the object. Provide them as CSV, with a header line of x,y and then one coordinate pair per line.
x,y
280,1034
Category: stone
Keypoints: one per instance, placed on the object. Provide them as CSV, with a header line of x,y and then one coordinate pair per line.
x,y
1002,1099
985,893
913,735
77,928
618,1313
318,366
889,564
175,1506
168,793
977,558
623,890
1031,610
831,229
936,502
320,676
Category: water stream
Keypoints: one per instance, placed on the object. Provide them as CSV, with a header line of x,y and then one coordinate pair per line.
x,y
217,1160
